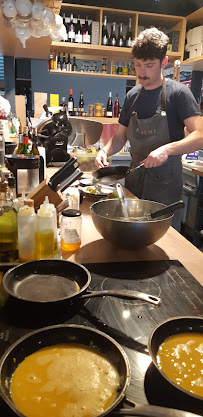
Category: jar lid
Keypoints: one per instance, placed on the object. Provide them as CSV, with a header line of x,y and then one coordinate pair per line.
x,y
71,213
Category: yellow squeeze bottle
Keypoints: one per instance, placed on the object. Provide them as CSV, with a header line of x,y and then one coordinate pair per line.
x,y
45,232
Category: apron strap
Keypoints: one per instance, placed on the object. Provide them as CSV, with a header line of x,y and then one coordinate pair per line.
x,y
163,98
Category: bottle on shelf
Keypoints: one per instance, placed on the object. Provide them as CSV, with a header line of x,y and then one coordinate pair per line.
x,y
120,69
64,19
34,150
51,62
116,107
81,104
78,31
25,150
68,64
63,67
120,41
74,65
114,69
86,32
104,65
125,69
70,103
19,148
59,62
129,36
71,30
105,34
67,28
113,39
109,107
63,105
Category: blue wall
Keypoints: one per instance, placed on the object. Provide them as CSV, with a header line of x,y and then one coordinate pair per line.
x,y
95,89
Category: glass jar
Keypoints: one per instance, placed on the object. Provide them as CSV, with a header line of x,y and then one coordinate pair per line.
x,y
71,222
8,225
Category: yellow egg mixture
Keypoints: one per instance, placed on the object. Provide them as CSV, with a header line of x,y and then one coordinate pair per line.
x,y
64,381
181,358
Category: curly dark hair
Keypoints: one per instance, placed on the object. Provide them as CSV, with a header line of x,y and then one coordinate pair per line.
x,y
150,44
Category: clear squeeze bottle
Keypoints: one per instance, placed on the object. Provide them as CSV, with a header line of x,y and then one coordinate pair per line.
x,y
26,234
45,233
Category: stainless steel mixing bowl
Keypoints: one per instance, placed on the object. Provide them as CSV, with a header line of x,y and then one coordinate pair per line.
x,y
107,217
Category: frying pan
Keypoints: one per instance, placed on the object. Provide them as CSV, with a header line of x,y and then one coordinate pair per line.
x,y
86,336
55,280
170,327
109,175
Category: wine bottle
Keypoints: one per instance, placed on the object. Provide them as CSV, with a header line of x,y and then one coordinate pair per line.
x,y
67,28
63,67
64,19
109,107
74,66
19,148
71,30
105,35
120,41
81,104
68,65
129,36
25,150
70,103
113,39
59,62
63,105
34,150
78,31
86,33
116,107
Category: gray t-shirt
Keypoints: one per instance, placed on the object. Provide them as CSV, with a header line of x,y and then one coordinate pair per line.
x,y
180,105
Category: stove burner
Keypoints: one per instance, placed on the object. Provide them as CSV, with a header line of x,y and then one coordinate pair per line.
x,y
148,286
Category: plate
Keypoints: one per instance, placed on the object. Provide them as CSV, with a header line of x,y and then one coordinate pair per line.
x,y
86,181
100,192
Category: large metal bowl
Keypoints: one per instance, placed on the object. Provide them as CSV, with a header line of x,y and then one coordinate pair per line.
x,y
106,216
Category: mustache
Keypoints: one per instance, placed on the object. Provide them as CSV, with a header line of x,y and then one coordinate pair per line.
x,y
143,78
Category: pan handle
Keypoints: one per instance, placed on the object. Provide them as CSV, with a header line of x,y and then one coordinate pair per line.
x,y
153,411
124,294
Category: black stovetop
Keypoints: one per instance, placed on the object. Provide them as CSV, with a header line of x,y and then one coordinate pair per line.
x,y
130,322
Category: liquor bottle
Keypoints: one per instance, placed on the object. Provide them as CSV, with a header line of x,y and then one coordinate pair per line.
x,y
109,107
125,69
19,148
105,35
78,31
129,36
25,150
68,65
71,30
119,69
86,32
51,62
59,62
74,66
81,104
67,28
63,105
63,67
70,103
116,107
104,65
34,150
120,41
113,39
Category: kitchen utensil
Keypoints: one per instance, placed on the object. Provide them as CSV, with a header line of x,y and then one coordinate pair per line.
x,y
109,175
108,219
65,281
170,327
79,335
168,209
120,192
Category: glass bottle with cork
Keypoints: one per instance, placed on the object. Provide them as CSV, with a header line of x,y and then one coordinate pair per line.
x,y
71,103
8,224
19,147
25,150
34,150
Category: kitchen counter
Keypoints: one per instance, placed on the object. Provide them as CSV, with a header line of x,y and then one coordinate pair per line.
x,y
171,246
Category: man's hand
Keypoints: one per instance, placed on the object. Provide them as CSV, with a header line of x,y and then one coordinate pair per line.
x,y
156,157
101,159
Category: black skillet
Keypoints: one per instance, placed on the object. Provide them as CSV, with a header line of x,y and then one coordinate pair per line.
x,y
109,175
56,280
86,336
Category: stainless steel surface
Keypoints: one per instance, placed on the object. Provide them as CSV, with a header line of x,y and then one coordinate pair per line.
x,y
120,192
154,411
107,218
92,131
134,295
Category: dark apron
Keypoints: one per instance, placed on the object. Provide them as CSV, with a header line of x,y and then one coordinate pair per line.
x,y
164,183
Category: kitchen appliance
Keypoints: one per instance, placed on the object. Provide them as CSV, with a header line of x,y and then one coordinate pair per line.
x,y
28,171
129,322
58,131
190,198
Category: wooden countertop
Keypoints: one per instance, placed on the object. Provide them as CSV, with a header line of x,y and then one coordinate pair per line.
x,y
171,246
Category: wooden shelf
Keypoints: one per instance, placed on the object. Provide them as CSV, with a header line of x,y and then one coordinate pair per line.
x,y
193,64
92,74
93,51
195,18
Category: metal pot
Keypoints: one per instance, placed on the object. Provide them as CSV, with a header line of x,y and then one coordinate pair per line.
x,y
107,217
86,336
170,327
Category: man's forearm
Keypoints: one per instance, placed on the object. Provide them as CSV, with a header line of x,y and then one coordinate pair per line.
x,y
191,143
114,145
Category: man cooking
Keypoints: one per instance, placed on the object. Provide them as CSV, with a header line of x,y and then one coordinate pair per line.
x,y
152,119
